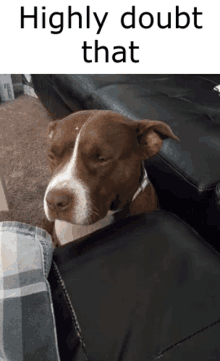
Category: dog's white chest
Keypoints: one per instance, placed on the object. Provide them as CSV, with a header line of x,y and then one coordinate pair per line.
x,y
67,232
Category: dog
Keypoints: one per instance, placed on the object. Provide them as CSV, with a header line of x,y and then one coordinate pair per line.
x,y
96,158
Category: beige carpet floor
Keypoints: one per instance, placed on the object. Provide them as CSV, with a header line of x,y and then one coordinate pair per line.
x,y
23,125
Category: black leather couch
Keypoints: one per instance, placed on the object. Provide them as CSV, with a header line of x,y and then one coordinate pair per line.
x,y
174,293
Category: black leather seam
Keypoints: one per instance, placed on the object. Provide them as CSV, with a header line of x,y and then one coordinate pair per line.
x,y
93,94
50,82
70,308
160,354
132,82
206,79
201,188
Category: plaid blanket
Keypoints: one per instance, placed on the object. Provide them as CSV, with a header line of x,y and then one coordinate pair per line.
x,y
27,322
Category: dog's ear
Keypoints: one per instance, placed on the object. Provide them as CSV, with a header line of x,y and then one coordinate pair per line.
x,y
50,129
150,135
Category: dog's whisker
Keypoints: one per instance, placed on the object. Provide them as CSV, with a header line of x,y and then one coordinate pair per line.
x,y
94,209
95,212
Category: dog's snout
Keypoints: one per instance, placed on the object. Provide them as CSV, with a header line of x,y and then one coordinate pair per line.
x,y
58,201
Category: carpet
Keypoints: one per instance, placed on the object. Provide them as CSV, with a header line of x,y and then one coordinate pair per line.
x,y
23,124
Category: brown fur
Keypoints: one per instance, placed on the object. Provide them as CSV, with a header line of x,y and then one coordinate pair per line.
x,y
123,146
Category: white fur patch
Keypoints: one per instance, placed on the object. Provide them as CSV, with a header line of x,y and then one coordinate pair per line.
x,y
67,179
51,134
67,232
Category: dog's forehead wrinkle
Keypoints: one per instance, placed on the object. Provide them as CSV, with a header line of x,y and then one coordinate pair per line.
x,y
61,147
64,136
103,129
71,125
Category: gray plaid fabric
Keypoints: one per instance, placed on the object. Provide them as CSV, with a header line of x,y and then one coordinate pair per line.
x,y
27,322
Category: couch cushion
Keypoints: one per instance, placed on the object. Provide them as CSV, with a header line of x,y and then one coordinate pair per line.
x,y
142,286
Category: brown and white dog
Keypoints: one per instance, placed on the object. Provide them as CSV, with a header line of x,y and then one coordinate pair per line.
x,y
96,158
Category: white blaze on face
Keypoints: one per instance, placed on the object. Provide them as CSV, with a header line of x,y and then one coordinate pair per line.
x,y
67,179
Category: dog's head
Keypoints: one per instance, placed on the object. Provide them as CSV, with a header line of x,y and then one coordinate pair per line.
x,y
96,160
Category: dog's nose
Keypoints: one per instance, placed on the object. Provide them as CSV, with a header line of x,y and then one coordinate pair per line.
x,y
58,201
